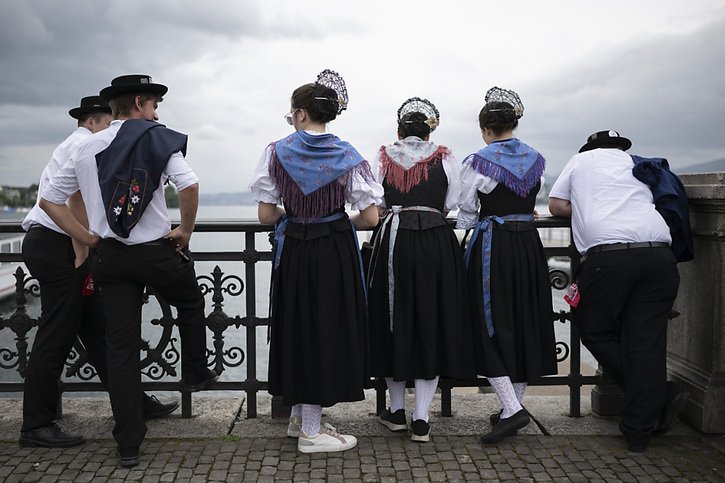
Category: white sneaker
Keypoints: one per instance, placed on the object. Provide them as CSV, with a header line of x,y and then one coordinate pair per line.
x,y
327,440
294,427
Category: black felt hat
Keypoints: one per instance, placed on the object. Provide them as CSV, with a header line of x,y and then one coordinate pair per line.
x,y
90,105
606,139
133,83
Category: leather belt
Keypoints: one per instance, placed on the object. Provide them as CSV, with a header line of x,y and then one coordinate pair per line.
x,y
625,246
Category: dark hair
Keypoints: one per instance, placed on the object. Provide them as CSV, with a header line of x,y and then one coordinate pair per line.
x,y
123,104
413,124
319,101
498,116
96,116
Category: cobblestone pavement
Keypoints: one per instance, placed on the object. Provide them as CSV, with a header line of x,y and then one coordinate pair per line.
x,y
378,458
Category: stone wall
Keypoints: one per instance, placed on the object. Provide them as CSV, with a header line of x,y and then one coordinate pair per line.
x,y
696,339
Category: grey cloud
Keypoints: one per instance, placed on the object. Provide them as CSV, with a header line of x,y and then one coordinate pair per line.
x,y
53,50
665,94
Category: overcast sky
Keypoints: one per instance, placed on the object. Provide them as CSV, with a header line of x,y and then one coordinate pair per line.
x,y
654,70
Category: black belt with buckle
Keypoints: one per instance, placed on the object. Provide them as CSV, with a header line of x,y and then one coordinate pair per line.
x,y
625,246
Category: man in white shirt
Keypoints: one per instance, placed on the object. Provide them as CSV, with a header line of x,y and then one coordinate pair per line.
x,y
627,282
121,172
63,272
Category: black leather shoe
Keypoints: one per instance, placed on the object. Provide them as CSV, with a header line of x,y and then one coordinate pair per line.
x,y
128,457
153,408
199,383
506,427
637,448
675,403
496,417
50,436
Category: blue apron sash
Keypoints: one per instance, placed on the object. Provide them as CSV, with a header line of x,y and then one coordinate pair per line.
x,y
484,229
279,236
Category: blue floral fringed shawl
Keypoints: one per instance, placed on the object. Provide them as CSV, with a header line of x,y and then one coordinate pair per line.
x,y
515,164
313,173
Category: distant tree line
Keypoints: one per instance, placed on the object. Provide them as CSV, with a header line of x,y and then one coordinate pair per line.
x,y
18,197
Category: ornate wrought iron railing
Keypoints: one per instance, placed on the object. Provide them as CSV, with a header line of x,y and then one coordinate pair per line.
x,y
161,357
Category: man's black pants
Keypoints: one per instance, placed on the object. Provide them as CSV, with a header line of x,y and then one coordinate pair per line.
x,y
122,272
65,314
626,297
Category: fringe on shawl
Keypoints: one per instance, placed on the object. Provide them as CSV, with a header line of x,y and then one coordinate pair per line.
x,y
520,186
405,179
322,201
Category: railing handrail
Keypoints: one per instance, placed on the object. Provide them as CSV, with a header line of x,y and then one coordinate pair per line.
x,y
218,322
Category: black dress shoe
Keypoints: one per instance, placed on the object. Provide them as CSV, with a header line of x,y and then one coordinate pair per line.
x,y
675,403
128,457
506,427
496,417
199,382
50,436
637,448
153,408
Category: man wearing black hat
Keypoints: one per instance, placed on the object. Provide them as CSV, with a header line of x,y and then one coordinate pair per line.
x,y
61,268
121,173
627,282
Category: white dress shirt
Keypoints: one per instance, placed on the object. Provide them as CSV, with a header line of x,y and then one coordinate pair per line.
x,y
363,193
60,155
609,205
80,172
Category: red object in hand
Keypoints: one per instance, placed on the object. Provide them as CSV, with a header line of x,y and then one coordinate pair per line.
x,y
88,286
572,295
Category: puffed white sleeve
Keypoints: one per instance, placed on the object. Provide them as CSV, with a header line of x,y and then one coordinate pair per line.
x,y
471,183
364,191
379,177
262,185
452,168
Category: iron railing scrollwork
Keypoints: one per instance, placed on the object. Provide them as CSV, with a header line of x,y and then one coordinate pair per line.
x,y
160,357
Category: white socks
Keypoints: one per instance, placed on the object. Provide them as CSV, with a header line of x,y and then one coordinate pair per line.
x,y
311,416
396,390
425,389
520,389
296,411
506,393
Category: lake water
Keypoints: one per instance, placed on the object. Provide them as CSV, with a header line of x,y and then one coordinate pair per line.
x,y
209,242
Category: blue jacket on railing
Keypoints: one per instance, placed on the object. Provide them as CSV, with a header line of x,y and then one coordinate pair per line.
x,y
670,201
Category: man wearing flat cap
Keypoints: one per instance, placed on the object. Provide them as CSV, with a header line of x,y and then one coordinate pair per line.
x,y
121,173
60,265
627,282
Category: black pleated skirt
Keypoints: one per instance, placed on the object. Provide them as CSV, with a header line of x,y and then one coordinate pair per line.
x,y
318,325
523,344
432,332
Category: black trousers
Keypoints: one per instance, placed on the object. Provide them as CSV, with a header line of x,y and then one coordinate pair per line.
x,y
122,272
626,297
65,314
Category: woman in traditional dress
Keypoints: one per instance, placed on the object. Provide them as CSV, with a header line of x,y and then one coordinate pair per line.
x,y
506,266
419,324
318,309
